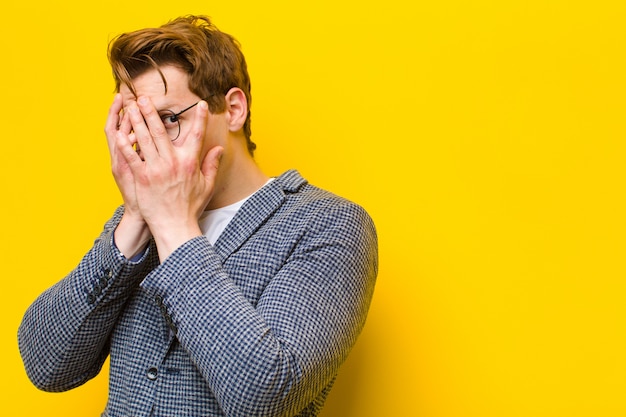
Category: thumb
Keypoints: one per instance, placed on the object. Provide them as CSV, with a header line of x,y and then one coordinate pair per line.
x,y
211,163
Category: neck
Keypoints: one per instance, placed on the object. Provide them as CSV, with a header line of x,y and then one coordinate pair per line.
x,y
238,177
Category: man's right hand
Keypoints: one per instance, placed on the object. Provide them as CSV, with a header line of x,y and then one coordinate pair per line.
x,y
132,233
118,125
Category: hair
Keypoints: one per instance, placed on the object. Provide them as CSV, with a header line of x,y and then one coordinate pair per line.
x,y
212,59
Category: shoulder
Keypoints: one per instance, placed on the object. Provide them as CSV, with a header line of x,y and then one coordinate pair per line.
x,y
320,206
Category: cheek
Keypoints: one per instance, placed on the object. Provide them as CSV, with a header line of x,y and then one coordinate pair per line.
x,y
208,141
216,132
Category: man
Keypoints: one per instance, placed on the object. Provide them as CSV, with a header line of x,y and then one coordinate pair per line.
x,y
215,289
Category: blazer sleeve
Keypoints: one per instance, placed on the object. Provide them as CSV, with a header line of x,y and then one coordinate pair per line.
x,y
63,336
273,358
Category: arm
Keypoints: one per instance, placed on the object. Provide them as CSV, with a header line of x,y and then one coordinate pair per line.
x,y
63,337
132,233
274,358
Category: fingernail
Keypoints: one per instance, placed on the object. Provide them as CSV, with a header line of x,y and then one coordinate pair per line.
x,y
143,101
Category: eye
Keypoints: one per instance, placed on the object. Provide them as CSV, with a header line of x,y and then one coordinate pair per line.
x,y
170,120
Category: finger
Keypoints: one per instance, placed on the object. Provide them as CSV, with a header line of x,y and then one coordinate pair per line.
x,y
194,140
125,148
124,125
211,163
152,119
113,120
123,133
142,135
125,129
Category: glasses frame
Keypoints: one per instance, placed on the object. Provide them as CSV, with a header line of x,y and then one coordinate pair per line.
x,y
174,117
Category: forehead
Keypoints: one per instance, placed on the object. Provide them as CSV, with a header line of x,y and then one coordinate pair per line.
x,y
152,84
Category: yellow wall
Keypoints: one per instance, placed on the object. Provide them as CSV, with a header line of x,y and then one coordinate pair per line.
x,y
486,138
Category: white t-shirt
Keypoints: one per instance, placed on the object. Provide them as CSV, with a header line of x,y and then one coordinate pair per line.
x,y
213,222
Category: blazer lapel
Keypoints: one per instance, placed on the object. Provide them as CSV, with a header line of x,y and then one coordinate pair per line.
x,y
255,211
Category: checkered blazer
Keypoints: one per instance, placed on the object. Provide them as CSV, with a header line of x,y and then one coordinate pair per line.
x,y
256,325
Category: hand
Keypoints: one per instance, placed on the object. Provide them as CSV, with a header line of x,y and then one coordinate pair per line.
x,y
132,233
119,128
173,184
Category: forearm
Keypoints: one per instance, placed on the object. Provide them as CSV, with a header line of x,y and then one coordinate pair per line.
x,y
221,330
63,337
131,235
278,353
168,239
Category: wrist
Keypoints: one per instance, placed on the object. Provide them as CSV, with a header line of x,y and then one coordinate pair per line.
x,y
169,238
131,235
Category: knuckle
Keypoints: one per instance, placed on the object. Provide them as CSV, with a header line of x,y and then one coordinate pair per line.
x,y
158,130
145,109
197,132
189,165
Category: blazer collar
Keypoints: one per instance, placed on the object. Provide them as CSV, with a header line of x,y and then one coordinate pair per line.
x,y
256,210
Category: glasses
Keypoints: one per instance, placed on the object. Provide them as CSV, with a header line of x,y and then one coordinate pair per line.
x,y
171,120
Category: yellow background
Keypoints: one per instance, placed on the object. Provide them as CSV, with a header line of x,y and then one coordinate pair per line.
x,y
486,139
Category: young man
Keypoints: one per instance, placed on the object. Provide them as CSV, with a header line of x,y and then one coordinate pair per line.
x,y
216,290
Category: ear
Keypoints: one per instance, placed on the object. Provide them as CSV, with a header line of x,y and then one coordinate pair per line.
x,y
237,109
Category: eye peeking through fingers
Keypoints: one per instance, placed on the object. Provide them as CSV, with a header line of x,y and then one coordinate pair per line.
x,y
171,122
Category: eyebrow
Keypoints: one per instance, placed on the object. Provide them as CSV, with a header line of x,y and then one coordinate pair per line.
x,y
166,106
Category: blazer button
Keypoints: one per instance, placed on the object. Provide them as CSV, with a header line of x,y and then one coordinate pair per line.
x,y
152,373
91,298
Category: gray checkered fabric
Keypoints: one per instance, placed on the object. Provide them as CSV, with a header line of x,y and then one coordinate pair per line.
x,y
256,325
